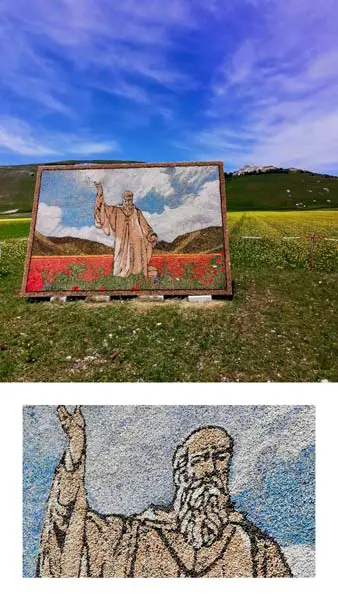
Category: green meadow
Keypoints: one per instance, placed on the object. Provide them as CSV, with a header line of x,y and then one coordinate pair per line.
x,y
280,326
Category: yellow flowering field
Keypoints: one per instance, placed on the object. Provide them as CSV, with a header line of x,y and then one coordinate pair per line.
x,y
279,239
286,223
283,239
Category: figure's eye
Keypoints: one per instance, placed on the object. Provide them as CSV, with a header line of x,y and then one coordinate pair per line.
x,y
221,455
196,460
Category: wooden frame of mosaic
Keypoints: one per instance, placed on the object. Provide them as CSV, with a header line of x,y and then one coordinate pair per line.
x,y
226,291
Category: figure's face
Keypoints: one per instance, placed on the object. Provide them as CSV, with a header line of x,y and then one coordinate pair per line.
x,y
128,198
209,454
209,460
201,476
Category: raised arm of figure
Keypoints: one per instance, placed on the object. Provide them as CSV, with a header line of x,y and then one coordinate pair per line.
x,y
76,541
104,215
62,535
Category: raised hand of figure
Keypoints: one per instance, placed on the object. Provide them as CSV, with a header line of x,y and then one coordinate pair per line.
x,y
74,426
99,195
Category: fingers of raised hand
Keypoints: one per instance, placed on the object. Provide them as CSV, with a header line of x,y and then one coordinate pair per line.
x,y
64,416
78,417
68,420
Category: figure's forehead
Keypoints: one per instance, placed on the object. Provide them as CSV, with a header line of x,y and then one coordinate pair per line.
x,y
208,438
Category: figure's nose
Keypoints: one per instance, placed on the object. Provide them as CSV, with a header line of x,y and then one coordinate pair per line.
x,y
209,466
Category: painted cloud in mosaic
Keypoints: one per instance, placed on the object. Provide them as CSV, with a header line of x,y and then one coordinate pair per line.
x,y
169,491
135,228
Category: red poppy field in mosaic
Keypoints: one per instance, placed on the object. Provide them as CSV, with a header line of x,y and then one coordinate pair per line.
x,y
77,273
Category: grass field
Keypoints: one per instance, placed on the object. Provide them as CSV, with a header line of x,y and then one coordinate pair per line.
x,y
12,228
281,325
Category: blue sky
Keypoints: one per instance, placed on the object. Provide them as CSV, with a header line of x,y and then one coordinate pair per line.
x,y
129,452
246,81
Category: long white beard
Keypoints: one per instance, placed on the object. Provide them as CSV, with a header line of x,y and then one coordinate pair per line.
x,y
201,508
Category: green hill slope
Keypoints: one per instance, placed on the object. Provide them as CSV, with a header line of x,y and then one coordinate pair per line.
x,y
282,189
202,241
67,246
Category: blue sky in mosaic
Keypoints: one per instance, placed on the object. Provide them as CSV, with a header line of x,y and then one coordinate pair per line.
x,y
175,200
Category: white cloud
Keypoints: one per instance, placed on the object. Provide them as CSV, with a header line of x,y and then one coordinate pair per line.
x,y
48,223
116,181
301,559
274,99
194,175
197,212
19,137
287,120
89,148
48,218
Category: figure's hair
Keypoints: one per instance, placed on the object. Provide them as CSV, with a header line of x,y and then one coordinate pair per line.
x,y
127,192
180,461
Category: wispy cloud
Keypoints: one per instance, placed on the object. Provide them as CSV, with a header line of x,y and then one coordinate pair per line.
x,y
274,99
247,81
89,147
67,60
98,38
19,138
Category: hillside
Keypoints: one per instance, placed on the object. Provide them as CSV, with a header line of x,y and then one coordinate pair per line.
x,y
281,189
205,241
67,246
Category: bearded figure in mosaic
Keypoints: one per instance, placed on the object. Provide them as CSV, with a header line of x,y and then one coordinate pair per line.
x,y
134,237
200,534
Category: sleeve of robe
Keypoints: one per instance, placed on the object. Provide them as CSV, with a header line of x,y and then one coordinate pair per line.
x,y
75,541
104,215
270,561
147,231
